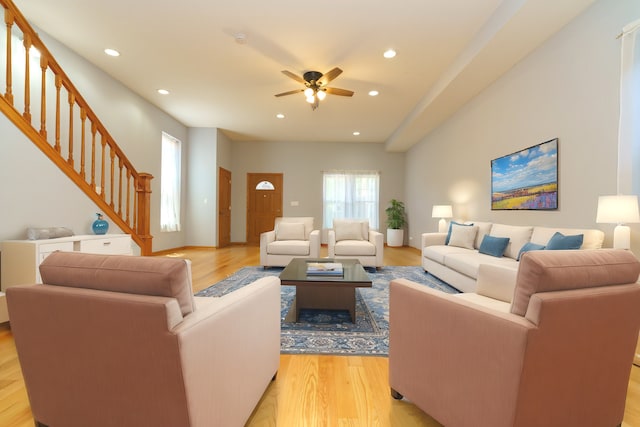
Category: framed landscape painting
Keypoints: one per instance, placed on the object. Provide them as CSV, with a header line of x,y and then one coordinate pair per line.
x,y
526,179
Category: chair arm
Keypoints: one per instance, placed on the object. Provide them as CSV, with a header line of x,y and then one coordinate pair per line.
x,y
437,342
231,348
331,242
266,238
377,239
432,239
314,244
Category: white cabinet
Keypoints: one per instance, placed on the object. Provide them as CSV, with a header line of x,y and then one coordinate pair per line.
x,y
21,258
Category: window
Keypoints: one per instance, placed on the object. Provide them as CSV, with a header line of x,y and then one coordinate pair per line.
x,y
351,194
170,183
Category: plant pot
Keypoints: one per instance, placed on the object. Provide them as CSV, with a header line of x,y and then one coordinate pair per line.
x,y
395,237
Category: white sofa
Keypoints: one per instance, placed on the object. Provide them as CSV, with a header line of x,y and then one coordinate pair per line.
x,y
457,263
353,239
292,237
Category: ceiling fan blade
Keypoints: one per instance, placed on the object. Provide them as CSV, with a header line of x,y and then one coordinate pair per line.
x,y
328,76
336,91
291,92
294,76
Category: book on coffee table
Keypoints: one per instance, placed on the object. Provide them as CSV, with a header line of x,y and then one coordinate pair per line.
x,y
324,269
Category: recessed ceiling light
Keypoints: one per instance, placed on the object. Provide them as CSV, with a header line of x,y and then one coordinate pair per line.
x,y
280,116
373,93
356,133
163,92
112,52
389,53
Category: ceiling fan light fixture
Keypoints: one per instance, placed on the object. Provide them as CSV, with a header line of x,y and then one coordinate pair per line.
x,y
321,95
311,99
308,92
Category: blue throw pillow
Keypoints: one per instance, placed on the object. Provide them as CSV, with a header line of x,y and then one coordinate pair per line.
x,y
494,246
559,241
446,241
530,247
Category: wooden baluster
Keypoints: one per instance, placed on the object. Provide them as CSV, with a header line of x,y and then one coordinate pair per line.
x,y
135,205
72,101
94,129
58,86
144,204
113,171
83,118
104,144
27,79
120,187
9,19
44,64
128,216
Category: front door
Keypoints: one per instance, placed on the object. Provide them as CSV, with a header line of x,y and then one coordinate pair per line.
x,y
264,203
224,208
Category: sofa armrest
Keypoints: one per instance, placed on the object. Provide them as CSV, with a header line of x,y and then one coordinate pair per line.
x,y
432,239
266,238
437,342
331,243
228,348
496,282
314,244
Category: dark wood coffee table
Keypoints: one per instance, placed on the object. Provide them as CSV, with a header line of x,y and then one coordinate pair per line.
x,y
324,292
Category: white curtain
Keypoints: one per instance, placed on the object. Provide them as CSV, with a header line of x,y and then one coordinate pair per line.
x,y
351,194
170,183
629,128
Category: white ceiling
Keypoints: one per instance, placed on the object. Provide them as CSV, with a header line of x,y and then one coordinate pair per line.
x,y
448,51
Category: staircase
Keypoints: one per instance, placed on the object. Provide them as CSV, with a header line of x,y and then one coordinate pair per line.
x,y
40,99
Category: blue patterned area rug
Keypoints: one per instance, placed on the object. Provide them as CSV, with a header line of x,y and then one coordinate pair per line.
x,y
331,331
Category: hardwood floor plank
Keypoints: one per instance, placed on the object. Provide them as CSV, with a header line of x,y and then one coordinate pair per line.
x,y
309,390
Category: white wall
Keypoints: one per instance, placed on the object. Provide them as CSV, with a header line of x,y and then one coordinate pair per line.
x,y
202,176
302,165
567,88
34,193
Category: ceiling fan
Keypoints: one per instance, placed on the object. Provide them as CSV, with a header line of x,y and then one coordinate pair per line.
x,y
316,85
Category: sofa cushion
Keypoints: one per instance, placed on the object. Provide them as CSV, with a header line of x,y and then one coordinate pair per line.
x,y
592,238
350,229
159,276
467,263
355,248
559,242
290,231
494,246
484,228
439,252
530,246
488,302
462,236
289,247
545,271
518,236
449,229
306,220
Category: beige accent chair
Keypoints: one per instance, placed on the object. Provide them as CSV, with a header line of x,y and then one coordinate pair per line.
x,y
292,237
120,341
560,355
353,239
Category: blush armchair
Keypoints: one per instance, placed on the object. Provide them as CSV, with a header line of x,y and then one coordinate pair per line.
x,y
292,237
559,355
353,239
121,341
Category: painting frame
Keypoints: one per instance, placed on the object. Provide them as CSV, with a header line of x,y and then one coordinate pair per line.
x,y
526,179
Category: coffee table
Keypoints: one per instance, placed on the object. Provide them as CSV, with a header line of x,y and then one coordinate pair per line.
x,y
324,292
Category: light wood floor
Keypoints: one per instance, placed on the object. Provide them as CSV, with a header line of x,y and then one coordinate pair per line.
x,y
310,390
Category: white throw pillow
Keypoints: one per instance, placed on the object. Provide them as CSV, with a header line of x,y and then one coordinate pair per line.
x,y
347,230
290,231
518,236
463,236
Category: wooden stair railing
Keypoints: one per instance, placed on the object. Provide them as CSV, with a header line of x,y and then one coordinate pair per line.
x,y
69,132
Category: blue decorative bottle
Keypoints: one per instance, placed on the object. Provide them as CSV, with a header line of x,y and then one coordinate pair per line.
x,y
100,226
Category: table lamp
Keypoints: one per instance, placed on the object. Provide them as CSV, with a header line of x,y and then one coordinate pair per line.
x,y
618,210
442,212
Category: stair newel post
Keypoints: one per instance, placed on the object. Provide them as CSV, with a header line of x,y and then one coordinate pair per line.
x,y
8,20
144,212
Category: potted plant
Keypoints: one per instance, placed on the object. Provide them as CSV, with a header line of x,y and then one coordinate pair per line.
x,y
396,220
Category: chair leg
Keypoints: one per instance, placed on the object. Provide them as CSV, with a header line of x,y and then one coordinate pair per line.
x,y
396,395
274,376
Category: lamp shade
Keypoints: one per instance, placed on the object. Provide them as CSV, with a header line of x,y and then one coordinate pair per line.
x,y
441,211
618,209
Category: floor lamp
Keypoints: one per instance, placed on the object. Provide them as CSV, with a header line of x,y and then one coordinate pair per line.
x,y
442,212
619,210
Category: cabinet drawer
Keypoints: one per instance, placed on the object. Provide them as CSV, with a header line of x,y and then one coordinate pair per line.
x,y
120,245
45,249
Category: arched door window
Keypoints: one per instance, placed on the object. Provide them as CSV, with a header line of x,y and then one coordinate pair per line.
x,y
265,185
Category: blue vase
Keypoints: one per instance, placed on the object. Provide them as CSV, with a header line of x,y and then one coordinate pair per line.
x,y
100,226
